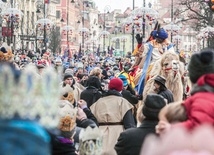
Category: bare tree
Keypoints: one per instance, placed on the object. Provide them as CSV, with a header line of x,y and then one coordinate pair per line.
x,y
198,15
55,40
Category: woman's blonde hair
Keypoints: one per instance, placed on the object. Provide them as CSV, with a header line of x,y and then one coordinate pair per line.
x,y
96,71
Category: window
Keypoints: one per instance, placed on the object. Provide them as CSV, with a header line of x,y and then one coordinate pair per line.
x,y
57,14
117,43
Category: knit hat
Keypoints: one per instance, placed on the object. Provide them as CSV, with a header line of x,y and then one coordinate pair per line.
x,y
67,75
124,79
162,34
201,63
152,106
116,84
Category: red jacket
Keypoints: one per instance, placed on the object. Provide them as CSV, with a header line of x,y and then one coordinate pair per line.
x,y
200,106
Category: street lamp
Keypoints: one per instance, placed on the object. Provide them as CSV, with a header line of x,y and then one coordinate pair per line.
x,y
172,28
177,40
12,18
84,32
209,33
67,30
140,15
105,33
123,40
44,24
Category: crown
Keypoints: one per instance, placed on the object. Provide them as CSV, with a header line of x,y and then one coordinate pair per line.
x,y
67,115
30,96
91,141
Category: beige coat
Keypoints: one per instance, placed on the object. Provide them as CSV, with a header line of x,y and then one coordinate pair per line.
x,y
110,109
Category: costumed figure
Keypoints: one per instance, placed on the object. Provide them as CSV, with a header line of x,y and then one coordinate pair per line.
x,y
152,51
64,142
126,72
28,110
91,141
67,93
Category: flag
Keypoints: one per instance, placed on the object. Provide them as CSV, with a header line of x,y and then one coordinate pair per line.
x,y
111,51
108,49
80,52
98,51
47,1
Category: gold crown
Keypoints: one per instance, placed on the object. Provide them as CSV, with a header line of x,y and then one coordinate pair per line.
x,y
91,141
67,116
32,97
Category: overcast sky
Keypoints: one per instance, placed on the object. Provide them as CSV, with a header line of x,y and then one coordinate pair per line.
x,y
117,4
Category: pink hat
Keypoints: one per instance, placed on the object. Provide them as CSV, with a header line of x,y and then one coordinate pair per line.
x,y
116,84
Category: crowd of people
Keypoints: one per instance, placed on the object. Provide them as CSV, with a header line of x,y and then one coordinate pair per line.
x,y
94,101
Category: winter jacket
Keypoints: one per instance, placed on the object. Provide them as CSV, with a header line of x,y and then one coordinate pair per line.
x,y
200,106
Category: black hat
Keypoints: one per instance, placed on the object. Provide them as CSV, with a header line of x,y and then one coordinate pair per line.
x,y
67,75
3,49
152,106
201,63
161,80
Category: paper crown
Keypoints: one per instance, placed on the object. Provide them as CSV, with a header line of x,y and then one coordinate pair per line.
x,y
67,115
30,97
91,141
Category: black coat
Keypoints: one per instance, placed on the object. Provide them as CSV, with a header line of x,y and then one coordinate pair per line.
x,y
133,99
167,94
130,141
90,95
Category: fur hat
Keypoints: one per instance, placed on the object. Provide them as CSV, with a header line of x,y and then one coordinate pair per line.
x,y
160,80
162,34
201,63
116,84
152,106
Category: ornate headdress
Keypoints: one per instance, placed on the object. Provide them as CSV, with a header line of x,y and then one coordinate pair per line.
x,y
30,97
67,116
68,94
91,141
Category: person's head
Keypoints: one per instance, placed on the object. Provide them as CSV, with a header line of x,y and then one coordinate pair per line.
x,y
159,83
124,79
161,35
152,106
94,81
96,71
68,79
173,112
80,70
201,63
127,66
115,84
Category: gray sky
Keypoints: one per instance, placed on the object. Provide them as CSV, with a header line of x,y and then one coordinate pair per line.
x,y
117,4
